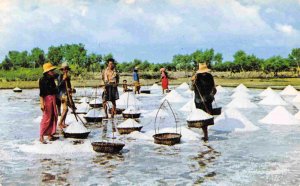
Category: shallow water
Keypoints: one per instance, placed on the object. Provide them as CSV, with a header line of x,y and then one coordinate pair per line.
x,y
269,156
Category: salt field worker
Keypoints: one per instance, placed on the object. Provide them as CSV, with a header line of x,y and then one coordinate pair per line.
x,y
136,81
48,91
64,87
204,88
125,86
164,80
111,81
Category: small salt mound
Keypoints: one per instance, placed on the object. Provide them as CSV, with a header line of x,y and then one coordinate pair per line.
x,y
94,113
280,116
289,91
174,97
232,120
131,110
76,127
17,89
96,101
84,100
197,115
162,113
267,92
155,87
241,94
273,99
129,123
220,89
241,88
296,99
189,106
183,86
241,102
128,99
83,108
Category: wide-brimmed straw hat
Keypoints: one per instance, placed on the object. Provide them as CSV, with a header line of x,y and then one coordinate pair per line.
x,y
203,68
48,67
65,65
162,69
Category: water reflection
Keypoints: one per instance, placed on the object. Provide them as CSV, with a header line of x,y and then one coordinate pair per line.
x,y
55,172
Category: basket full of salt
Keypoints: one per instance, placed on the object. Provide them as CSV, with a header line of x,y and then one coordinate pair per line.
x,y
216,111
166,138
129,126
107,147
94,116
118,110
76,130
96,103
198,118
131,112
145,91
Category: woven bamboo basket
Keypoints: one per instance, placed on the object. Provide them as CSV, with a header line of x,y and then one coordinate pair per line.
x,y
96,105
128,130
76,135
133,116
93,119
200,123
145,91
18,90
216,111
167,138
107,147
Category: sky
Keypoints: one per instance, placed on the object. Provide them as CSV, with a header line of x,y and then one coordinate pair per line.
x,y
152,30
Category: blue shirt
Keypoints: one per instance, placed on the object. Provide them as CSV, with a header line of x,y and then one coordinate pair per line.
x,y
136,76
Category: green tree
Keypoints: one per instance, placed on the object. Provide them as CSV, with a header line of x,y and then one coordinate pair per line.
x,y
294,58
55,55
37,57
276,64
6,64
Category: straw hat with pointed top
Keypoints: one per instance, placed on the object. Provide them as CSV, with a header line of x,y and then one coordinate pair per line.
x,y
203,68
48,67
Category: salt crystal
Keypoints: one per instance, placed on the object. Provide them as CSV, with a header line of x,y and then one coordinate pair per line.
x,y
280,116
76,128
267,92
297,115
189,106
197,115
183,86
241,88
17,89
289,91
129,123
232,120
241,102
83,108
174,97
273,99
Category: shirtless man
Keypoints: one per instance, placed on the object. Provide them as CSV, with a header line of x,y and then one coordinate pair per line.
x,y
111,81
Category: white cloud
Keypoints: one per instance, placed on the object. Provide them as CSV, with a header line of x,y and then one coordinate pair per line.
x,y
286,29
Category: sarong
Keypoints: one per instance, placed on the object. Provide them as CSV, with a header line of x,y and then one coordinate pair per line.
x,y
165,83
111,93
49,120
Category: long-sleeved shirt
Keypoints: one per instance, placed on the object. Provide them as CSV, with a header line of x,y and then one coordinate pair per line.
x,y
136,76
205,86
62,84
47,86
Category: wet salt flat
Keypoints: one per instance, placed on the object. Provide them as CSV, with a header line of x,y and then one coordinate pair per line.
x,y
269,155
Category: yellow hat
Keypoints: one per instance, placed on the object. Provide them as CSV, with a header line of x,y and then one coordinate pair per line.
x,y
203,68
48,67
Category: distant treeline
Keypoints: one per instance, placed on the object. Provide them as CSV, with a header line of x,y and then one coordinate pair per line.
x,y
82,61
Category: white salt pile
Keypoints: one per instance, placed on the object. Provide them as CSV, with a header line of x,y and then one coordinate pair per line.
x,y
241,88
267,92
297,115
84,100
129,123
17,89
155,87
96,101
76,128
174,97
94,113
127,99
71,118
97,93
273,99
189,91
198,115
241,102
232,120
183,86
296,99
162,113
189,106
131,110
289,91
82,108
280,116
241,94
220,89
